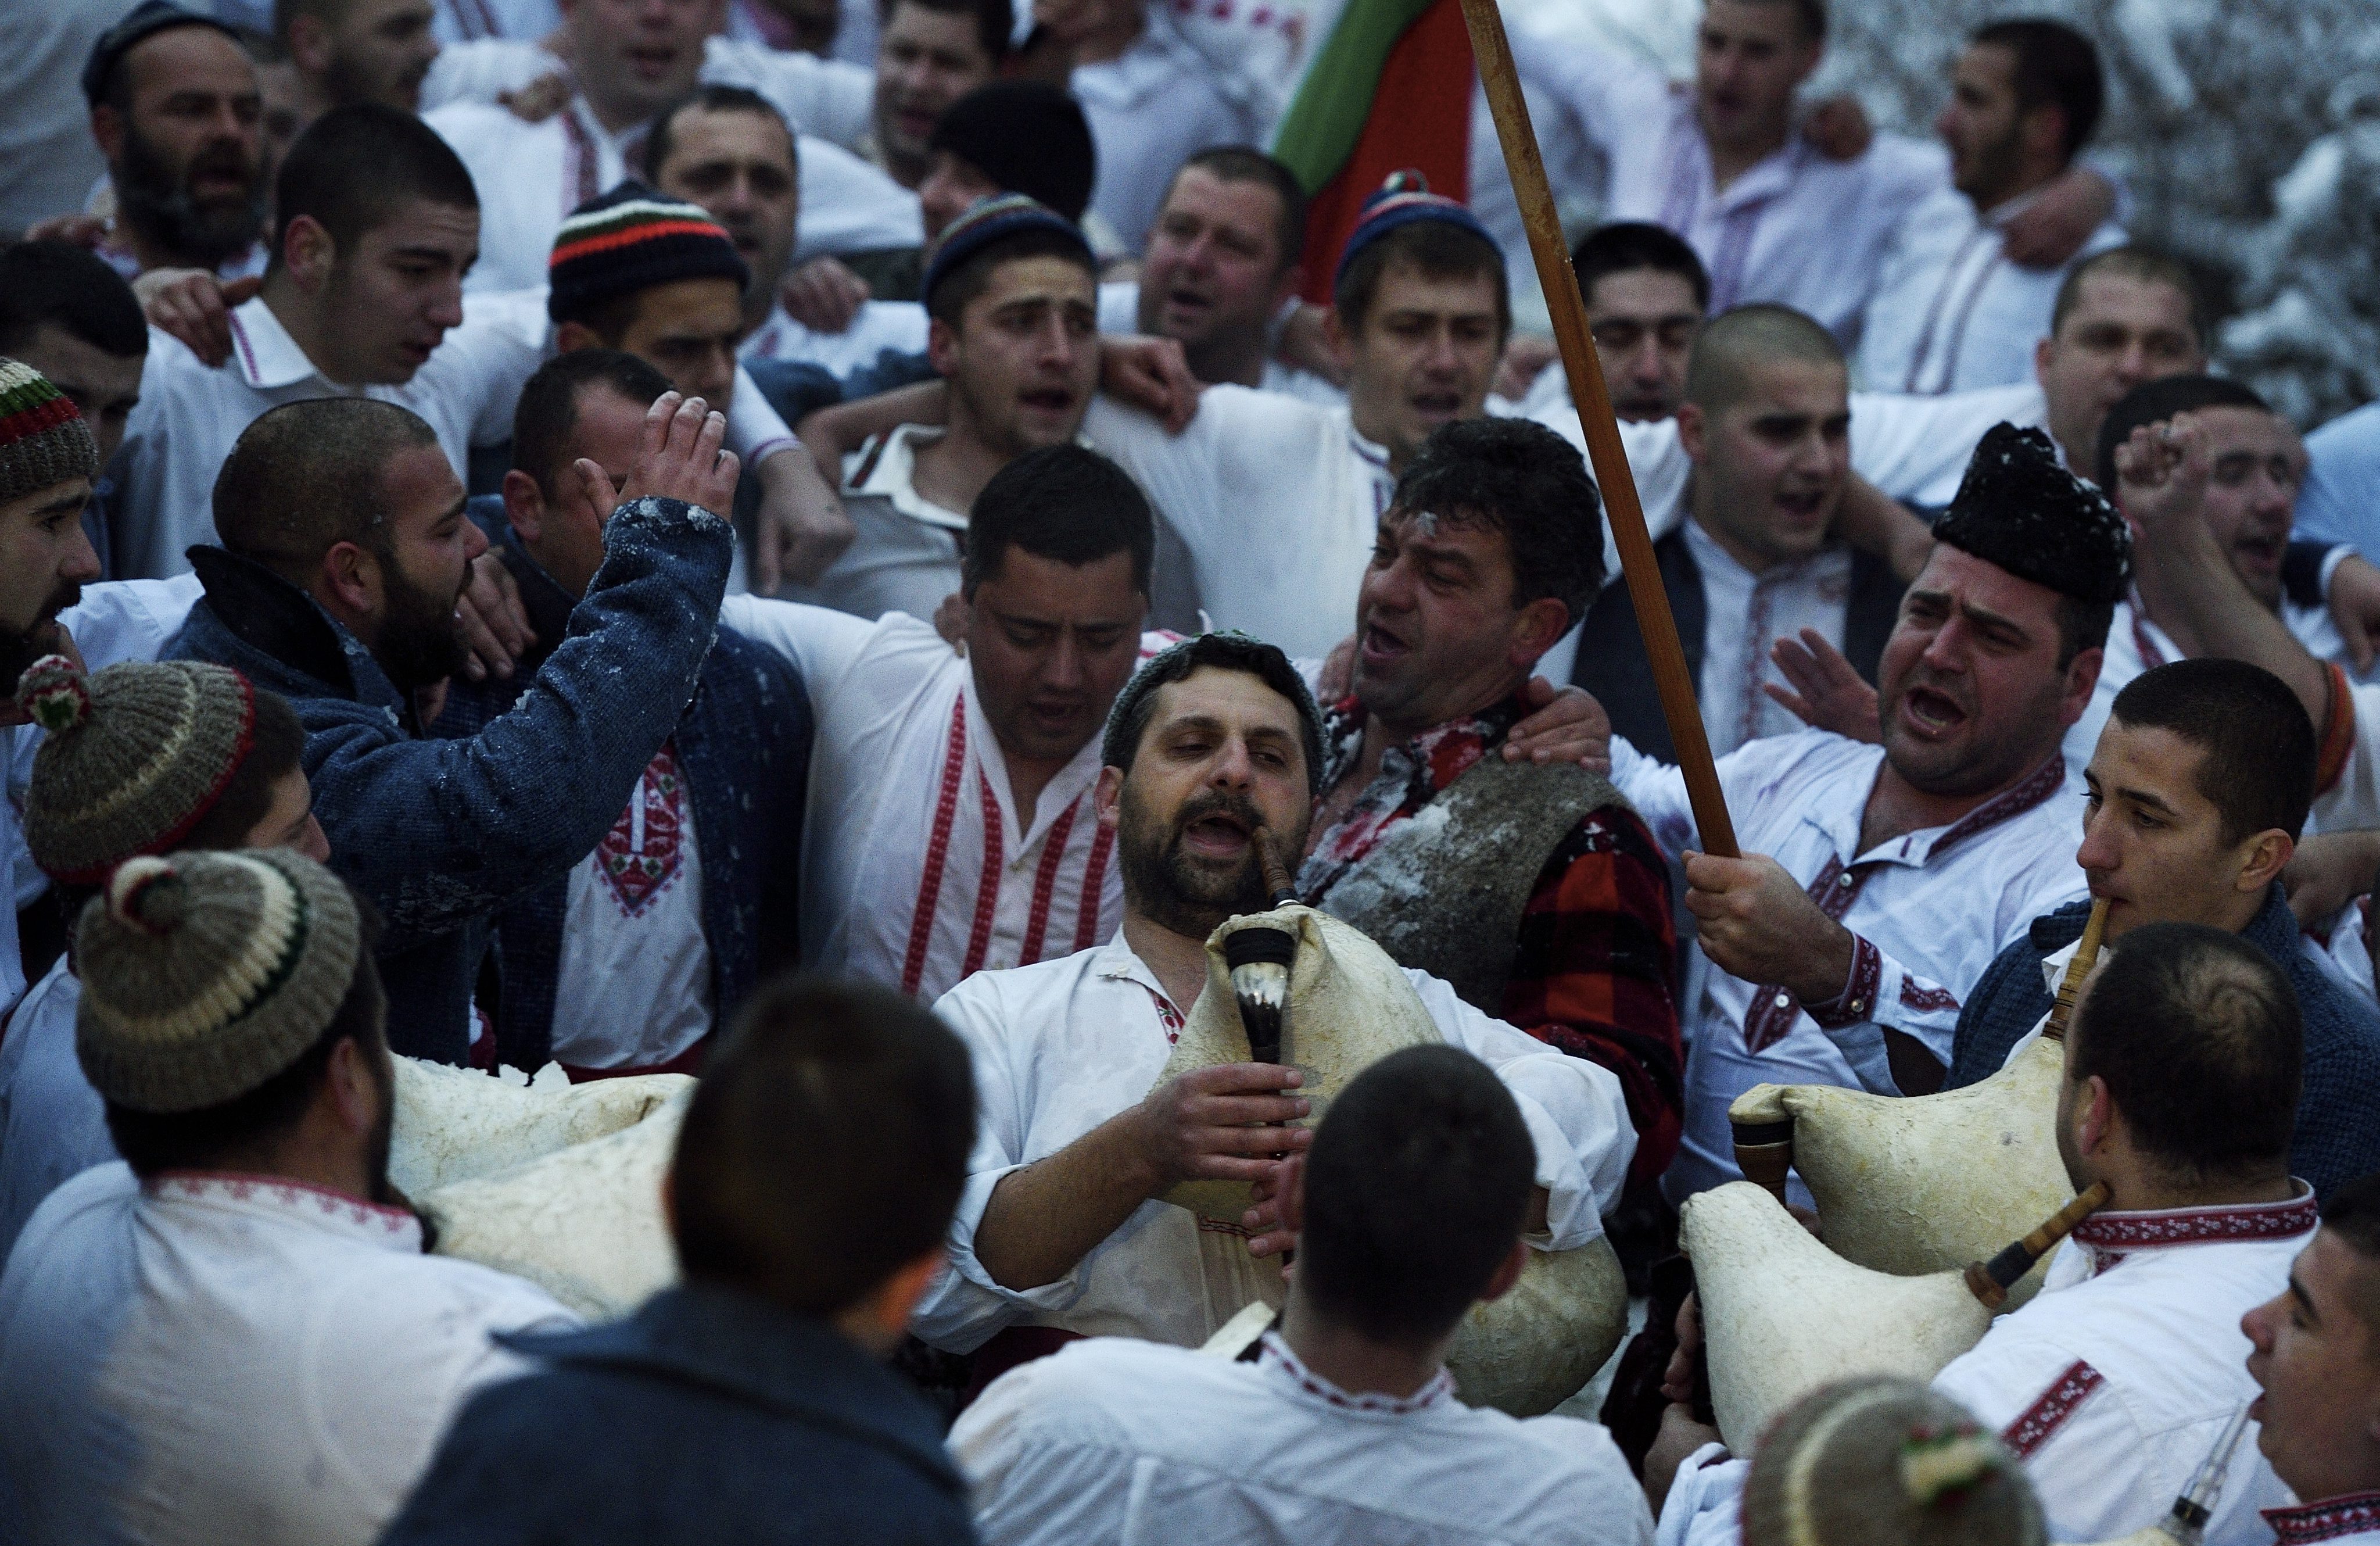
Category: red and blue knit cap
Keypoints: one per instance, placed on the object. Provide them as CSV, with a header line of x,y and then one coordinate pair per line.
x,y
630,239
992,219
1404,198
43,440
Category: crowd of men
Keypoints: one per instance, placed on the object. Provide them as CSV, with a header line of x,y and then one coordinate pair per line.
x,y
822,551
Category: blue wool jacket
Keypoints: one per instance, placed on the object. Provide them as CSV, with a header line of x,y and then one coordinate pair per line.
x,y
744,749
2338,1110
441,834
706,1417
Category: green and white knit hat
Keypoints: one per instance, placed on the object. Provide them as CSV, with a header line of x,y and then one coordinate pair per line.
x,y
43,440
633,238
205,974
134,758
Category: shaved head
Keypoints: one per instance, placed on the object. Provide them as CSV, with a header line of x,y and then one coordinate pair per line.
x,y
1730,344
307,477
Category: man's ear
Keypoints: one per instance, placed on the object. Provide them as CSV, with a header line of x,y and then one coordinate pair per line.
x,y
1107,797
1340,337
354,1087
1692,426
2042,130
2095,1115
350,577
2263,856
571,337
2081,682
1507,1273
308,252
1538,627
309,44
2045,350
943,346
108,128
524,505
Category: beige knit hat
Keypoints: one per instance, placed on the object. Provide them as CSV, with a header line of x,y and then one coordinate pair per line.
x,y
43,440
135,755
205,974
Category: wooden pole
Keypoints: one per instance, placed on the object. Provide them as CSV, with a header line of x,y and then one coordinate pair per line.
x,y
1604,451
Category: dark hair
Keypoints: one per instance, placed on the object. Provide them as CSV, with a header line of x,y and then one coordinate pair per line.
x,y
1245,164
1811,14
1759,332
1518,478
1626,246
355,166
305,477
2143,265
275,743
547,414
2056,67
2154,402
958,289
1062,503
826,1146
1128,721
995,20
662,138
153,1142
1440,249
1416,1189
2082,626
2257,743
2196,1033
57,283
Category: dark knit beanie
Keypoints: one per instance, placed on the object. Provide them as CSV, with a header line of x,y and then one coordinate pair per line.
x,y
134,758
633,238
2019,510
1027,136
43,440
1404,198
144,21
205,974
988,221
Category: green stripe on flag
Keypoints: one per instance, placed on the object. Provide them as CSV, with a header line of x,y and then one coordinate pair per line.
x,y
1318,133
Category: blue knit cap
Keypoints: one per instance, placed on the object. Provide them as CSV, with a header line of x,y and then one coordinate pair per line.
x,y
1402,199
989,220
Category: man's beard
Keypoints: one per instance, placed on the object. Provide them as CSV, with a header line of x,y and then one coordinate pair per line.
x,y
420,644
20,650
154,201
1171,889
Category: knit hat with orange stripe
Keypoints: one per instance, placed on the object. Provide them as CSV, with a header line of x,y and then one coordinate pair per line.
x,y
630,239
43,440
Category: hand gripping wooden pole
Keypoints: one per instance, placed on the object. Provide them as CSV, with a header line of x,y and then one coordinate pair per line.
x,y
1609,459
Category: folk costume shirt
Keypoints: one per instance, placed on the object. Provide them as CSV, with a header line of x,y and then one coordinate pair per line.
x,y
1927,911
335,1355
1128,1442
905,548
1060,1047
2351,1521
1747,614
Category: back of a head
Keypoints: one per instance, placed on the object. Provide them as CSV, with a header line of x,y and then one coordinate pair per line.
x,y
306,476
1029,136
1626,246
2154,402
2056,67
1886,1460
2257,745
2143,266
1735,341
1415,1189
2197,1034
56,283
825,1148
1517,477
357,167
547,414
1245,164
1062,503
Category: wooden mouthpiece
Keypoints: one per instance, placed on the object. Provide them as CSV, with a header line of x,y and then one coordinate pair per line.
x,y
1764,1152
2086,955
1278,885
1990,1281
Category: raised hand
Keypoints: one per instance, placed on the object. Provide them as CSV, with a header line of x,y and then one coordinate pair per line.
x,y
680,458
1827,693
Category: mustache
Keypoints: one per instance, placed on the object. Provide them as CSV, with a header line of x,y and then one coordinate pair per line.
x,y
1216,802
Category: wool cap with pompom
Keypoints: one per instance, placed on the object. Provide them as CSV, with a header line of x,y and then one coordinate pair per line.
x,y
1886,1459
205,974
135,756
2019,510
43,440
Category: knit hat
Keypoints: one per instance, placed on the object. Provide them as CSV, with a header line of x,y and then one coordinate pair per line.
x,y
988,221
1029,136
135,756
2019,510
633,238
1885,1459
205,974
43,440
143,22
1404,198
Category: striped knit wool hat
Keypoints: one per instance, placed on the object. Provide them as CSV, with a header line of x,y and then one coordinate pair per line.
x,y
134,757
1404,198
630,239
205,974
43,440
988,220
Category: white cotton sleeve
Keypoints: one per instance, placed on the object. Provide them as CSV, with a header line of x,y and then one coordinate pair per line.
x,y
755,432
2354,801
1917,448
1657,790
823,643
1705,1506
832,99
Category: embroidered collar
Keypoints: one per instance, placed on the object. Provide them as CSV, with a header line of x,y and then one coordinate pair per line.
x,y
1275,1356
299,1200
2351,1514
1840,822
1411,776
1118,962
2124,1232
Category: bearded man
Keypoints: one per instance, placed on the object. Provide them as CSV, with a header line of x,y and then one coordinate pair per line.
x,y
1062,1232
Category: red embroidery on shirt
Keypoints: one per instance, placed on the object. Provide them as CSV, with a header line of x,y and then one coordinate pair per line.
x,y
2331,1519
986,890
645,849
1274,1350
2033,1426
1045,883
1926,1000
281,1191
2194,1226
938,849
1095,874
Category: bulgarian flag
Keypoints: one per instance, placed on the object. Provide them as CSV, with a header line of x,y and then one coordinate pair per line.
x,y
1388,90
